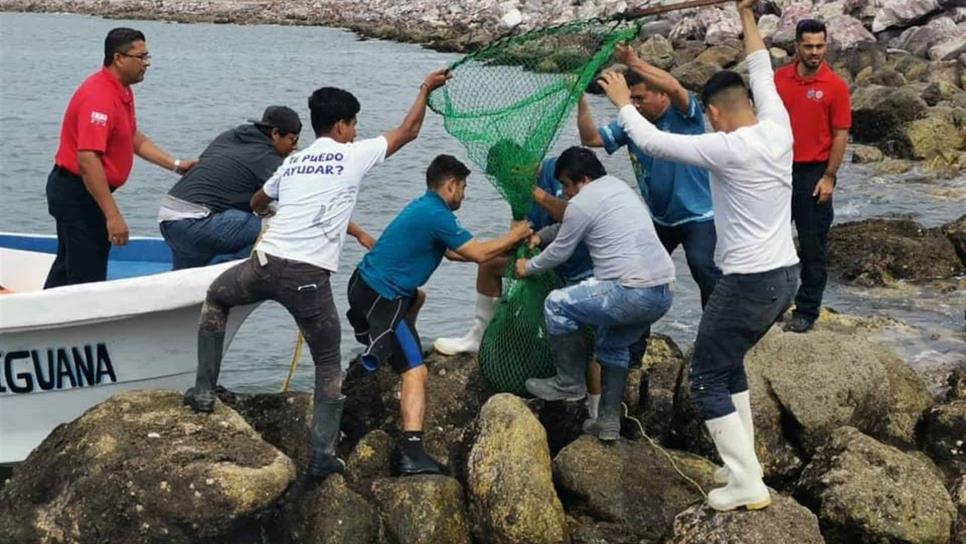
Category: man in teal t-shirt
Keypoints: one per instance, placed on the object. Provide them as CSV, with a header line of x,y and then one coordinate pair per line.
x,y
678,195
383,288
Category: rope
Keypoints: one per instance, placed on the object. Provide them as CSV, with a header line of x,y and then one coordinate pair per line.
x,y
296,356
299,339
670,459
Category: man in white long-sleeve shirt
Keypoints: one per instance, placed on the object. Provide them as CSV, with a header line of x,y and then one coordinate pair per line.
x,y
749,158
631,287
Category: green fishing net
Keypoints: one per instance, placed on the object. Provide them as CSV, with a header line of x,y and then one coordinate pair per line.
x,y
514,346
506,103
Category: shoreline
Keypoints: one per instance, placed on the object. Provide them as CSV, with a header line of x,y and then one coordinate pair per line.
x,y
453,37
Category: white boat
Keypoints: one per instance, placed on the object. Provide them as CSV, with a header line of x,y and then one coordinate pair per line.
x,y
64,350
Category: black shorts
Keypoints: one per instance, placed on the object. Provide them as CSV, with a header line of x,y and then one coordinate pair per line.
x,y
381,325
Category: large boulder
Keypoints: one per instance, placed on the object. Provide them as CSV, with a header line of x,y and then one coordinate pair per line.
x,y
693,75
422,510
284,420
723,26
791,14
879,113
329,513
784,521
950,47
599,478
902,13
370,460
865,491
932,136
876,252
141,467
805,386
918,39
510,478
846,32
720,55
658,51
944,436
455,391
664,363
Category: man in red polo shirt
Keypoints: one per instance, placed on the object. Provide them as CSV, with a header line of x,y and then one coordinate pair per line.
x,y
818,103
98,141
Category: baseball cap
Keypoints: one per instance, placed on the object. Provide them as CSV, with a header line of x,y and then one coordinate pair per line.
x,y
282,118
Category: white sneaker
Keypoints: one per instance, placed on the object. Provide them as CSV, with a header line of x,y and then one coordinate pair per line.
x,y
742,403
470,342
745,488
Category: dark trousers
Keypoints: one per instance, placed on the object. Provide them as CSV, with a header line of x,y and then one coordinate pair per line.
x,y
302,289
741,310
82,244
698,239
812,220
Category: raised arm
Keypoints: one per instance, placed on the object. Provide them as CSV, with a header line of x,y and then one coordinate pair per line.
x,y
768,103
411,125
707,151
657,79
586,125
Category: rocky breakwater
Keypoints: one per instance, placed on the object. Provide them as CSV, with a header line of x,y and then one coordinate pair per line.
x,y
904,59
853,446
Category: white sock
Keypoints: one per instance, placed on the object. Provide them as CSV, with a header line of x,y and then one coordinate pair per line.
x,y
593,401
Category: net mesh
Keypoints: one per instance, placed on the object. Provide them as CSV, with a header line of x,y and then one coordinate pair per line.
x,y
515,346
506,103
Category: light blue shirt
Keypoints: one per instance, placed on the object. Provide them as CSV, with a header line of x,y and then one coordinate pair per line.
x,y
676,193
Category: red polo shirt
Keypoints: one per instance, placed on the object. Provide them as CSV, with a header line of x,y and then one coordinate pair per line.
x,y
100,117
816,106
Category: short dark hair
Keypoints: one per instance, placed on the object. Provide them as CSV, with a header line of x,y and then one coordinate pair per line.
x,y
119,40
633,78
443,168
576,163
809,26
722,80
330,105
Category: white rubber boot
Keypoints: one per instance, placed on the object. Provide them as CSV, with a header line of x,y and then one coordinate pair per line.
x,y
470,342
745,487
742,402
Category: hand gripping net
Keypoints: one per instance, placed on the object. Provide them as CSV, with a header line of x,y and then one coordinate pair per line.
x,y
506,104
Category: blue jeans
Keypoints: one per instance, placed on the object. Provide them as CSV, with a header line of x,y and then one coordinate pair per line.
x,y
617,314
698,239
220,237
741,310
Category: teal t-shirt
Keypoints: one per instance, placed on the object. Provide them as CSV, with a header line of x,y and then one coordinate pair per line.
x,y
412,246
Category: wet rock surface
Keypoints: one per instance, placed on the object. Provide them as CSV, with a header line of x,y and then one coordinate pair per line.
x,y
877,252
865,491
784,521
140,467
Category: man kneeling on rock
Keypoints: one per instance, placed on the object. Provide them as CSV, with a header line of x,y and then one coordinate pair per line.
x,y
316,192
630,290
383,288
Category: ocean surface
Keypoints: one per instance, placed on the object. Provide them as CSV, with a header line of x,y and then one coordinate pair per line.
x,y
205,78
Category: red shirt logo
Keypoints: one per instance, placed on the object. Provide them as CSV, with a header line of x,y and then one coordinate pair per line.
x,y
98,118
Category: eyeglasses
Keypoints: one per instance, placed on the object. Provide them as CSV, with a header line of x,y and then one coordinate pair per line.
x,y
143,57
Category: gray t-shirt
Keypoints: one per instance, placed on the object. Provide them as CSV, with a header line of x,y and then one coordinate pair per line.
x,y
616,226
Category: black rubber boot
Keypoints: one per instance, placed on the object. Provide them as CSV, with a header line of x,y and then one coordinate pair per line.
x,y
570,382
416,461
325,434
201,397
607,426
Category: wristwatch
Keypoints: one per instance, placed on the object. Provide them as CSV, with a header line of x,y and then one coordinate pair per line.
x,y
177,166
